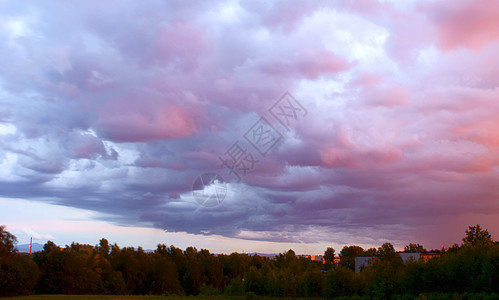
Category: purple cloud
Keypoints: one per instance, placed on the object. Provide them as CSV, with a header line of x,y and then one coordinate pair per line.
x,y
117,108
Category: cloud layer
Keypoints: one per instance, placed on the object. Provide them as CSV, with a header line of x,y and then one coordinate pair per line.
x,y
118,107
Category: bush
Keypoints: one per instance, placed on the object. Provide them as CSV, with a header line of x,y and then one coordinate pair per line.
x,y
338,282
208,290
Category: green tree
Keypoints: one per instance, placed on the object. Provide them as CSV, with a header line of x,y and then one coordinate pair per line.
x,y
311,284
286,260
7,241
68,270
135,267
192,276
370,252
254,282
329,256
234,265
338,282
475,235
419,277
386,272
414,248
387,252
165,277
18,274
103,247
348,254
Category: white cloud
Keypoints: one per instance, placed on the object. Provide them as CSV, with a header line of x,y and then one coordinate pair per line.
x,y
36,235
7,129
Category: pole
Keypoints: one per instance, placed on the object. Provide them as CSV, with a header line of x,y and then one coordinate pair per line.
x,y
30,246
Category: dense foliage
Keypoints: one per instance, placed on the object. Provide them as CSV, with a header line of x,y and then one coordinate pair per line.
x,y
18,274
472,267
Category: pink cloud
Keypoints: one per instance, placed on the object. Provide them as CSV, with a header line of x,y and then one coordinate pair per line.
x,y
469,23
485,132
369,8
409,33
466,114
389,96
368,80
374,90
282,15
360,158
166,122
348,153
307,63
337,158
180,86
180,43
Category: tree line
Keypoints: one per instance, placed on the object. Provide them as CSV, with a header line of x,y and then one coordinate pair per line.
x,y
471,267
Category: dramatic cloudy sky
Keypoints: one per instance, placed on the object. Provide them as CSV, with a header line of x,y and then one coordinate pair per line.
x,y
109,110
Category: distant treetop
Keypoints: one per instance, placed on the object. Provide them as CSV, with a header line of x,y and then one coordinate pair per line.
x,y
475,235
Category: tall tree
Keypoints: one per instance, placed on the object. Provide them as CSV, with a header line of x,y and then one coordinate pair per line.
x,y
475,235
414,248
338,282
348,254
103,247
370,252
387,252
311,282
7,241
18,274
329,256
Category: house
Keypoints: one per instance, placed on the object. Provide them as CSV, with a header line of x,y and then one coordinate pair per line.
x,y
318,258
364,261
428,255
406,256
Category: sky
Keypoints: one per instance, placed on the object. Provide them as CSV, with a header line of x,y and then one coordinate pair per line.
x,y
249,126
